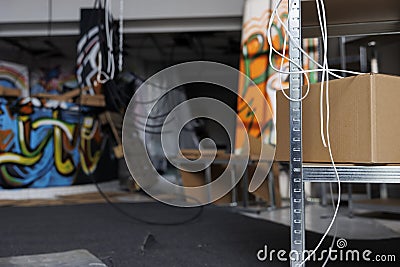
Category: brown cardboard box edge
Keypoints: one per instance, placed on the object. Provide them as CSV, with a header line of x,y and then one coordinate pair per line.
x,y
364,121
191,179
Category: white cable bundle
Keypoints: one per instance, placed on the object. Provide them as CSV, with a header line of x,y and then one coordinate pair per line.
x,y
121,35
326,71
109,75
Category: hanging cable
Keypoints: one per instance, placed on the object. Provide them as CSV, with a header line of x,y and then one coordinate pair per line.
x,y
110,69
273,50
121,35
324,68
144,221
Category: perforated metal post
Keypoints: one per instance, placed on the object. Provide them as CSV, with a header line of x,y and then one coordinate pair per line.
x,y
296,160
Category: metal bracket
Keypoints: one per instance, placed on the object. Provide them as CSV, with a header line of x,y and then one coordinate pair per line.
x,y
296,160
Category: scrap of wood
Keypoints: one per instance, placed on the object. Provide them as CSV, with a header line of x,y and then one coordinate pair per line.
x,y
71,94
92,100
67,97
103,118
9,92
48,96
83,99
113,128
118,152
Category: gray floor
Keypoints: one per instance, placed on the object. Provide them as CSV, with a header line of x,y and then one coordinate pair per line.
x,y
72,258
53,192
363,225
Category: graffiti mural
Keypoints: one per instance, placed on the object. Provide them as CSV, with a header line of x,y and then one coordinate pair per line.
x,y
14,76
254,62
95,53
41,146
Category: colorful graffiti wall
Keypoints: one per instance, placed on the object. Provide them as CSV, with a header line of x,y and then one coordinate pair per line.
x,y
14,76
254,62
42,146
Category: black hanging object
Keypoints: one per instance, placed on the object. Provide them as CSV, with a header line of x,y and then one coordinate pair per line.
x,y
97,35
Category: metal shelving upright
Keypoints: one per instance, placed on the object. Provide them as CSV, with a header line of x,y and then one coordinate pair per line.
x,y
373,19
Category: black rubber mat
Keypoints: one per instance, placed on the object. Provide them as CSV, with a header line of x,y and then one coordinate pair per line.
x,y
218,238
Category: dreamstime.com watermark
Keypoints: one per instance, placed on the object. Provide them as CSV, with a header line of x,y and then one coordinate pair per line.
x,y
338,253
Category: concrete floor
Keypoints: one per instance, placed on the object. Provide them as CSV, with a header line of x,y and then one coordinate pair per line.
x,y
363,225
53,192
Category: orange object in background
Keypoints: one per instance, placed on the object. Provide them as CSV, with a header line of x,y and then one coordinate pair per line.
x,y
254,62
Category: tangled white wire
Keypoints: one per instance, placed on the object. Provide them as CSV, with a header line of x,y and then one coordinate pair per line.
x,y
110,53
121,35
324,68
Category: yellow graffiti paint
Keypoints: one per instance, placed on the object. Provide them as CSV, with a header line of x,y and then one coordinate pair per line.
x,y
66,127
22,142
64,167
88,158
89,162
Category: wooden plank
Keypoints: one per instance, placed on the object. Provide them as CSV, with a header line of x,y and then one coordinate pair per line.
x,y
9,92
67,97
118,152
92,100
48,96
113,128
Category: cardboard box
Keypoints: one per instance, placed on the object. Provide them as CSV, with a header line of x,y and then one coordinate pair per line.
x,y
364,121
192,179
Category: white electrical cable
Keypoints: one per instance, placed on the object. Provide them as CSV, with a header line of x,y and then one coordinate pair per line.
x,y
273,50
99,70
337,176
99,66
324,34
280,77
109,42
325,65
331,156
325,74
109,35
334,236
121,35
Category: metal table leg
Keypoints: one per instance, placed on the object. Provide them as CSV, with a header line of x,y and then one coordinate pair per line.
x,y
245,188
271,189
234,192
350,200
207,174
324,201
369,191
383,190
